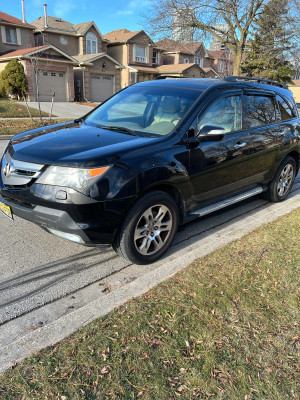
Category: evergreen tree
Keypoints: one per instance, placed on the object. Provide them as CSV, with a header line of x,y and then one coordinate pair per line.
x,y
267,54
13,79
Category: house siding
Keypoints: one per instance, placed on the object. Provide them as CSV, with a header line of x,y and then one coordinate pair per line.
x,y
71,48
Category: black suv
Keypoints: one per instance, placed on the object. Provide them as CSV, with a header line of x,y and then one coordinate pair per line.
x,y
153,156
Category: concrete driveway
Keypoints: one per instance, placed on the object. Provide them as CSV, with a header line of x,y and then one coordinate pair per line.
x,y
62,109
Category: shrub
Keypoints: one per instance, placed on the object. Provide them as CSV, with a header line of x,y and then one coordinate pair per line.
x,y
13,79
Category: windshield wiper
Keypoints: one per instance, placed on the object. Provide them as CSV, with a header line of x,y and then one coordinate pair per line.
x,y
78,120
119,129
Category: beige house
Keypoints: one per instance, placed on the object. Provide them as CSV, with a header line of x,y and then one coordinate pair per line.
x,y
48,70
191,70
295,88
175,53
97,75
136,51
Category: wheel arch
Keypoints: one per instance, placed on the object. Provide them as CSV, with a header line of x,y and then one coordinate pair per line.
x,y
296,156
174,192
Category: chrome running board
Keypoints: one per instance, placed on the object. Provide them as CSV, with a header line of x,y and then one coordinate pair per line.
x,y
222,204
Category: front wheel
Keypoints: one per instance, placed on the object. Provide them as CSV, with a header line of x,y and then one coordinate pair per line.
x,y
148,229
283,180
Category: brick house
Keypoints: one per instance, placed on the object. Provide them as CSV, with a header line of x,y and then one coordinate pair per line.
x,y
222,62
174,52
47,68
136,51
97,75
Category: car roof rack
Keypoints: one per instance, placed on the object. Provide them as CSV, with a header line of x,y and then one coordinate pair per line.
x,y
169,77
258,80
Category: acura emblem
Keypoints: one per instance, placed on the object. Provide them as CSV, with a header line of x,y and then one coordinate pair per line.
x,y
8,169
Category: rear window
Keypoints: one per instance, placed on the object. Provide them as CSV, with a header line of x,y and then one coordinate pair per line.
x,y
285,110
259,111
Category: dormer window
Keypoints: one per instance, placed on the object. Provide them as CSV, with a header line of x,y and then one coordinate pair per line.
x,y
91,43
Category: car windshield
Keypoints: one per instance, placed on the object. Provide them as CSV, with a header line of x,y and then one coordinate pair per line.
x,y
144,110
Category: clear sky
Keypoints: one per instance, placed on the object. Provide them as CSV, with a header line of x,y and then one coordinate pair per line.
x,y
107,14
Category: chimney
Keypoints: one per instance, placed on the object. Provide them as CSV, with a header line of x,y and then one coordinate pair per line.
x,y
23,12
45,15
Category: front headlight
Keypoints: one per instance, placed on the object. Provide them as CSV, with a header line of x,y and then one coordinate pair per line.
x,y
76,178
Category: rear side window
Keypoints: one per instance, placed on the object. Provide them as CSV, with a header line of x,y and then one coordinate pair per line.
x,y
285,110
259,111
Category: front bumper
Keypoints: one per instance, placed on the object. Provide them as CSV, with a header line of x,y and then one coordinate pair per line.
x,y
78,218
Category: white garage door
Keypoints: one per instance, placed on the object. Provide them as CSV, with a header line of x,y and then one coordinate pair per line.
x,y
102,87
52,81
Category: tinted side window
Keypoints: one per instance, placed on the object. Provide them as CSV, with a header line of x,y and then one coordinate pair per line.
x,y
259,110
225,113
285,110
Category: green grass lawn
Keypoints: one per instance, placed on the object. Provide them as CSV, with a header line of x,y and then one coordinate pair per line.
x,y
12,109
226,327
14,126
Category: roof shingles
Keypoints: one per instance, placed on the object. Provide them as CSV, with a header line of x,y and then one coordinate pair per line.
x,y
5,18
121,35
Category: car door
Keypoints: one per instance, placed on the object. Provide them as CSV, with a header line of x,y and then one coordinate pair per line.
x,y
265,132
220,167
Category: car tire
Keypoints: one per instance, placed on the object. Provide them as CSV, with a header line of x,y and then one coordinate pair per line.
x,y
282,182
148,229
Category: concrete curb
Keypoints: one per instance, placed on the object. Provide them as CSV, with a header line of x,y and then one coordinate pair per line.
x,y
6,137
186,253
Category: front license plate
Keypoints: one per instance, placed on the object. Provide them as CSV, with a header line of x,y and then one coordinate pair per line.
x,y
6,210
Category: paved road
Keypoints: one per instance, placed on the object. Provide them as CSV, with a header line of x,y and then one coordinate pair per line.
x,y
37,268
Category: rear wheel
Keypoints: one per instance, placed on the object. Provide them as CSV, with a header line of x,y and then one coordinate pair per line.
x,y
148,229
282,182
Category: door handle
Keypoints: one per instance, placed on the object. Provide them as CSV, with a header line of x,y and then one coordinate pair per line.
x,y
239,145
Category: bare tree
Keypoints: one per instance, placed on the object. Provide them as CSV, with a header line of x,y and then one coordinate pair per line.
x,y
40,63
229,21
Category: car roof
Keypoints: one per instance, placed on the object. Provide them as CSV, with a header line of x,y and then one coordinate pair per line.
x,y
226,83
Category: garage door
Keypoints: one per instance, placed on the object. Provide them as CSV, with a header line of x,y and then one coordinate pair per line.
x,y
102,87
52,81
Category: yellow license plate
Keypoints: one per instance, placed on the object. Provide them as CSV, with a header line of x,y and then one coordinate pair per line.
x,y
6,210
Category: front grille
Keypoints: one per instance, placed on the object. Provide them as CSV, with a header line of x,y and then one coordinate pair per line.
x,y
18,174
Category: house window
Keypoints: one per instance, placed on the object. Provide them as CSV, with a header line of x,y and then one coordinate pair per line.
x,y
186,61
199,61
155,58
221,66
140,54
133,77
11,35
91,44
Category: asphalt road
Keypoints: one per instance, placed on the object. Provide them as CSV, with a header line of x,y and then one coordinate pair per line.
x,y
37,268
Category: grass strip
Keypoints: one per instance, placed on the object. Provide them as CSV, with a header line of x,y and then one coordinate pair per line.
x,y
13,109
14,126
226,327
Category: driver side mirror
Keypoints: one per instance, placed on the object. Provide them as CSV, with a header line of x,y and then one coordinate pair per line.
x,y
211,133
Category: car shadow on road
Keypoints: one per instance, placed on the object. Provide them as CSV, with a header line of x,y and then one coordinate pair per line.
x,y
48,282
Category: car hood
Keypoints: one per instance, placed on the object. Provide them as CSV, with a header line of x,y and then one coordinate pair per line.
x,y
74,144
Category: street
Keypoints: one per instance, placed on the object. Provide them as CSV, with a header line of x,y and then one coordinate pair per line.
x,y
37,268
